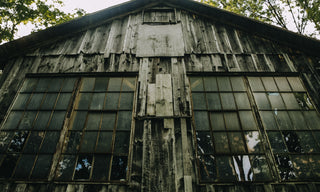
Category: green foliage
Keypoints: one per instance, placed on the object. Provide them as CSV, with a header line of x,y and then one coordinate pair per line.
x,y
40,13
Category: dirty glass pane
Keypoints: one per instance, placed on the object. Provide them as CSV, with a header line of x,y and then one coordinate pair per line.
x,y
276,101
108,121
292,141
124,120
34,142
290,101
303,101
224,84
207,168
268,120
242,168
204,143
129,84
225,170
8,165
35,101
42,167
101,167
298,121
101,84
29,85
296,84
49,101
236,142
247,120
199,101
21,101
27,120
315,165
256,84
227,101
89,142
63,101
93,122
283,120
242,101
79,120
276,142
201,120
42,85
12,120
119,168
262,101
17,142
232,121
104,142
220,140
307,142
24,166
83,167
313,119
196,84
50,142
112,101
68,84
42,120
55,84
213,101
260,168
285,167
253,141
114,84
121,144
65,167
282,84
87,84
5,138
97,101
210,84
74,142
302,167
237,84
85,100
126,101
269,84
217,121
57,120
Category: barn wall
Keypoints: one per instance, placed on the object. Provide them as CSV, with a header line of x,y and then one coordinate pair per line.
x,y
163,152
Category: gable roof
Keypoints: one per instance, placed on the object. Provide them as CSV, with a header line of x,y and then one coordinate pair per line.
x,y
285,37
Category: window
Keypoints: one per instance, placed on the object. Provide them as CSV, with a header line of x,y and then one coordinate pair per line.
x,y
230,139
97,112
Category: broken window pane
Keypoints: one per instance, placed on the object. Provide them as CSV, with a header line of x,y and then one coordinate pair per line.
x,y
224,84
260,168
207,168
247,120
217,121
285,167
296,84
121,144
232,121
243,167
227,101
290,101
213,101
83,167
201,120
66,167
292,141
18,140
42,167
276,142
24,166
119,168
304,101
307,142
196,84
199,101
253,141
315,165
101,167
210,84
236,142
204,142
220,140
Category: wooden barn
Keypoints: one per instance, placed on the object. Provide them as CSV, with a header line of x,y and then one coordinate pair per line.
x,y
160,95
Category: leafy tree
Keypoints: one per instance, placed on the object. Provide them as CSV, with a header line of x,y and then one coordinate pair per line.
x,y
40,13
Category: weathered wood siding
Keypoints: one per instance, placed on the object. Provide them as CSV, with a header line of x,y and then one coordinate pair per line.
x,y
163,151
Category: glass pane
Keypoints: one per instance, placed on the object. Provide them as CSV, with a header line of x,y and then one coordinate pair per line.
x,y
18,140
126,101
35,101
101,84
301,167
129,84
27,120
65,168
268,120
93,122
63,101
262,101
89,142
101,167
225,170
29,85
224,84
124,120
207,167
196,84
232,121
260,168
68,84
243,168
83,167
253,141
204,142
42,167
303,101
85,100
201,120
12,120
236,142
5,139
220,140
114,84
227,101
276,141
217,121
121,144
282,84
247,120
112,101
242,101
42,120
42,85
119,168
49,101
298,121
108,121
97,101
213,101
73,142
313,119
88,84
79,120
269,84
276,101
283,120
296,84
199,101
24,166
237,84
285,167
290,101
292,141
50,142
34,142
256,84
315,165
210,84
307,142
55,84
8,165
21,101
104,142
57,120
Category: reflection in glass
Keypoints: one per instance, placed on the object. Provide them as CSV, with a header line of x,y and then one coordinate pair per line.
x,y
285,167
242,167
256,84
276,142
97,101
87,84
292,141
290,100
304,101
225,170
18,140
237,84
283,120
282,84
5,138
207,167
260,168
301,167
65,168
253,142
83,167
204,142
221,142
236,142
85,100
298,121
119,168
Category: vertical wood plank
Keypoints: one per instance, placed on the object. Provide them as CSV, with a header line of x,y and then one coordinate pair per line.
x,y
163,95
143,81
151,100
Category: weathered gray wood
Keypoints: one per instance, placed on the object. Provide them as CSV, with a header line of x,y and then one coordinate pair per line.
x,y
143,80
164,95
151,100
